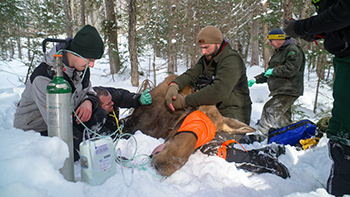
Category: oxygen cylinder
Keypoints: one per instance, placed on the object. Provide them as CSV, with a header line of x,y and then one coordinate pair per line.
x,y
59,123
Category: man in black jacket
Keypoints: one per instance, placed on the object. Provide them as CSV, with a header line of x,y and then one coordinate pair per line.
x,y
111,99
333,23
105,119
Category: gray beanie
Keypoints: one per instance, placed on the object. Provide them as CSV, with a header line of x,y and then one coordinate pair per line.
x,y
87,43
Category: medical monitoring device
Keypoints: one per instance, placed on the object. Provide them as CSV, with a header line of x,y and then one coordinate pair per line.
x,y
97,157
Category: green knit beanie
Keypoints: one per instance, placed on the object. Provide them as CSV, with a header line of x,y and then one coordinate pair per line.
x,y
87,43
210,35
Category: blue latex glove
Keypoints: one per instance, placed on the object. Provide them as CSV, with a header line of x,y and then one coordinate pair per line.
x,y
146,98
268,72
251,82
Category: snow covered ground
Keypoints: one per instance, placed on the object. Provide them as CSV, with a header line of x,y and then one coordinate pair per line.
x,y
30,163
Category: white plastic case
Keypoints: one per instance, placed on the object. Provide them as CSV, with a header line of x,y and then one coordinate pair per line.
x,y
97,158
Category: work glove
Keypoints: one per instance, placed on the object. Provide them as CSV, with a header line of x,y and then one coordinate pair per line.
x,y
289,29
178,103
251,82
146,98
268,72
172,92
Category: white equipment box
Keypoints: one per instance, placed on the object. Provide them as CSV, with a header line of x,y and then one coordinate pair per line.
x,y
97,158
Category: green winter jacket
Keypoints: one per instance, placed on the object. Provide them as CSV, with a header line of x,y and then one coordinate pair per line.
x,y
229,90
288,63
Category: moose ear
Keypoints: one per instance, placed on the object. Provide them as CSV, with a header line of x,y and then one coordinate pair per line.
x,y
234,126
158,149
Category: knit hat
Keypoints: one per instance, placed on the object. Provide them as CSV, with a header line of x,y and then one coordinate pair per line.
x,y
87,43
276,34
210,35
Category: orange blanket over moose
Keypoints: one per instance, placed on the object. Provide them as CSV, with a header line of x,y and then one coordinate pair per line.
x,y
199,123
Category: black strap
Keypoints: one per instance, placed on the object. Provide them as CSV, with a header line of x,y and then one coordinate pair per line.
x,y
195,135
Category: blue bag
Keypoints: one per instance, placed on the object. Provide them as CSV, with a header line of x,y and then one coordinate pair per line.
x,y
291,134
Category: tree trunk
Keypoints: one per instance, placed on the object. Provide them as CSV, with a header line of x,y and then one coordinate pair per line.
x,y
112,35
303,13
19,47
171,36
28,47
316,95
196,26
133,44
12,49
320,74
287,6
67,18
155,43
266,54
255,39
82,4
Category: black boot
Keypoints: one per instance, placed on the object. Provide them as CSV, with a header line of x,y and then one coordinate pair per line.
x,y
258,161
274,150
249,139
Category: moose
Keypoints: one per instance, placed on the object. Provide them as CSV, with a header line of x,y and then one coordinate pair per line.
x,y
158,121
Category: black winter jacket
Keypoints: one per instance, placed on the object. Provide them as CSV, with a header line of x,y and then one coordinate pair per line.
x,y
122,99
333,21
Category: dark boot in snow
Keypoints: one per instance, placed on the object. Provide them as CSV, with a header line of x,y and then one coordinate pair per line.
x,y
249,139
274,150
258,161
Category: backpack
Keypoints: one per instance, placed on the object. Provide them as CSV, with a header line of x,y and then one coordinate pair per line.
x,y
293,133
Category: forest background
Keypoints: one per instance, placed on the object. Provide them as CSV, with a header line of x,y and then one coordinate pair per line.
x,y
166,28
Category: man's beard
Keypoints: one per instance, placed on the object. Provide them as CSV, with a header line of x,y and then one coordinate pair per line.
x,y
213,54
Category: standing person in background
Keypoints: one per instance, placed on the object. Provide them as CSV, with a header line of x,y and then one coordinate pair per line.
x,y
31,113
219,76
333,23
285,78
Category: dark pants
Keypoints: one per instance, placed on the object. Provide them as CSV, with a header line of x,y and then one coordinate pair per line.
x,y
339,123
338,182
277,112
256,160
259,160
338,130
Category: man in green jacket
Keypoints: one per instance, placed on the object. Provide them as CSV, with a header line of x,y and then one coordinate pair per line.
x,y
219,76
285,78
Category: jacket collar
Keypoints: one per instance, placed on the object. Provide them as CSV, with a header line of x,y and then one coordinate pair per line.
x,y
286,43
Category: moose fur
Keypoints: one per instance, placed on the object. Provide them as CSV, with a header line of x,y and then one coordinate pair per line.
x,y
158,121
